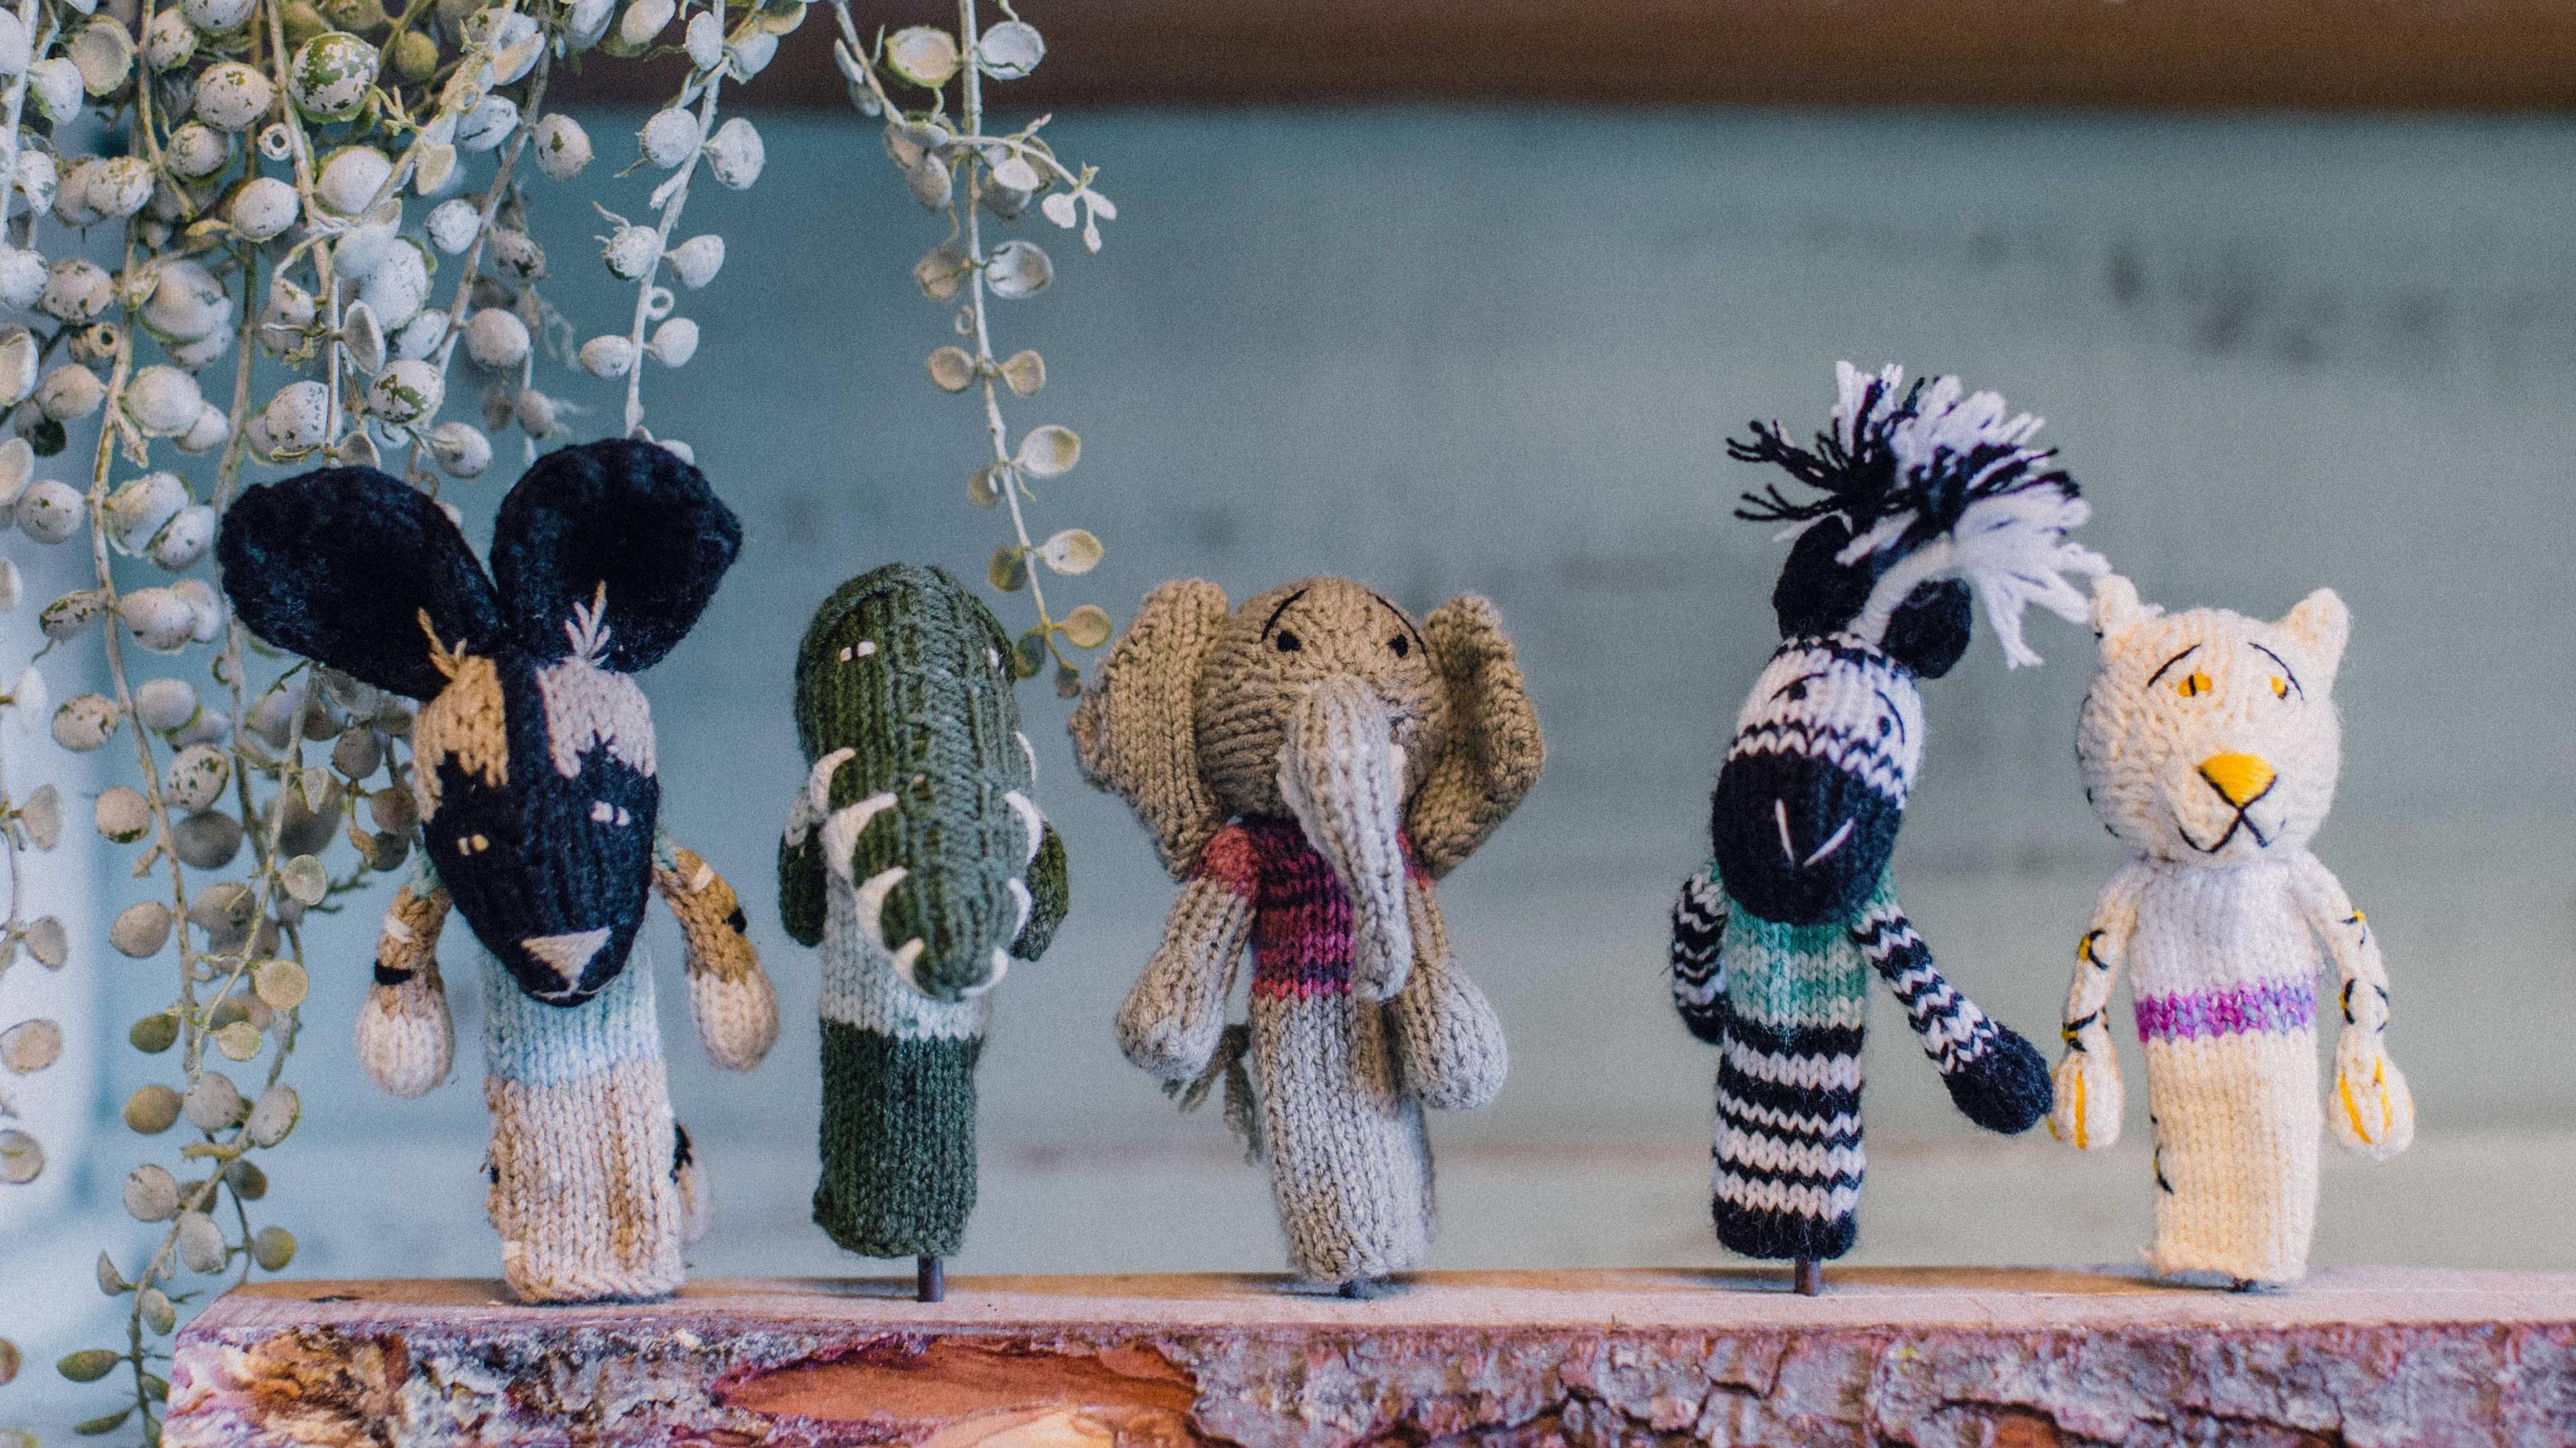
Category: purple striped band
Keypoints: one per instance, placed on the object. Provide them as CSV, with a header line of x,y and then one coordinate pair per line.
x,y
2263,1005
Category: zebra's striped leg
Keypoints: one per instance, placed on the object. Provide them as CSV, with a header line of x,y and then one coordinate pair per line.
x,y
1788,1150
1996,1078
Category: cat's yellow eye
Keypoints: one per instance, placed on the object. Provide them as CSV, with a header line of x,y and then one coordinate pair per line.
x,y
2193,685
2280,687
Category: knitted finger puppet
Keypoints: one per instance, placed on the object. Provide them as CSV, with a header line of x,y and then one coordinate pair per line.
x,y
1929,501
915,857
2210,747
533,767
1309,764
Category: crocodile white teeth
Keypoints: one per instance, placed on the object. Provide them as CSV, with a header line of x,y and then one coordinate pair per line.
x,y
1030,820
1020,896
872,896
841,831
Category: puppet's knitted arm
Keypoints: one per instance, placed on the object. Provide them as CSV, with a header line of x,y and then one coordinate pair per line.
x,y
804,902
1699,964
1995,1078
2372,1110
1049,896
405,1040
1448,1041
730,999
2086,1114
1174,1017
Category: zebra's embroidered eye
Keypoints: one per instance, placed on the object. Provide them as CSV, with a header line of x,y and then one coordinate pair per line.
x,y
1401,645
2280,687
1288,642
2193,685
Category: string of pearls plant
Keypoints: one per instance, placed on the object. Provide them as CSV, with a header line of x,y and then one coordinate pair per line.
x,y
952,165
274,187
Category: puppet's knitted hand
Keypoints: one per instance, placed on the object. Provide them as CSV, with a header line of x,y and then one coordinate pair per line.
x,y
730,999
2086,1115
2004,1087
1448,1041
405,1040
2372,1110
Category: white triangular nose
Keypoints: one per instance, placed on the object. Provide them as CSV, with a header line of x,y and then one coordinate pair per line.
x,y
568,954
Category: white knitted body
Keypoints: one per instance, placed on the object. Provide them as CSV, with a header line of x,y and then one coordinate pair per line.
x,y
583,1189
861,989
2224,968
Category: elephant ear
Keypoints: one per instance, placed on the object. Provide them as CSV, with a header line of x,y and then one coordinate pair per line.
x,y
1490,753
1135,733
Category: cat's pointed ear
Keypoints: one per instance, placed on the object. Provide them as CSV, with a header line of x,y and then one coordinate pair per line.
x,y
610,549
2117,608
357,570
2321,625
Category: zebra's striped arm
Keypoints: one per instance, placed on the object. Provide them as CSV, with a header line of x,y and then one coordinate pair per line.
x,y
1698,966
1993,1075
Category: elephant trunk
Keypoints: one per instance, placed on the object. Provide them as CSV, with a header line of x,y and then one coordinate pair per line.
x,y
1341,773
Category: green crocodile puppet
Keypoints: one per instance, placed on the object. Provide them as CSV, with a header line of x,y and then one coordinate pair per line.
x,y
915,857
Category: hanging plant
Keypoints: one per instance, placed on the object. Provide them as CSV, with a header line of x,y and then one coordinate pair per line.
x,y
341,193
952,165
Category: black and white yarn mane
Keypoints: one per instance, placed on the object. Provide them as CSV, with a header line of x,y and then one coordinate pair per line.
x,y
1920,489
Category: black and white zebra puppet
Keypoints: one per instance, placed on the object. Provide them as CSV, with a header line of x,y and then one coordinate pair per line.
x,y
1928,501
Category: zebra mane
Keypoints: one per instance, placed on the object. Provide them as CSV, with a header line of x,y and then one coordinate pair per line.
x,y
1930,484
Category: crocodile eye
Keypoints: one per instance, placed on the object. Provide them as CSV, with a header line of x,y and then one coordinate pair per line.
x,y
1288,642
1401,645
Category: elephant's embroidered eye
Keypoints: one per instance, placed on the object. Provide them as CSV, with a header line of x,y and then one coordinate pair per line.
x,y
1288,642
2280,688
1401,645
2193,685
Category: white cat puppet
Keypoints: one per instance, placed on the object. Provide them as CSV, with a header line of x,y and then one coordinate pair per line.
x,y
2210,746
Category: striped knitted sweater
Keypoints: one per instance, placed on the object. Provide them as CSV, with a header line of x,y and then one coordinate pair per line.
x,y
1787,1006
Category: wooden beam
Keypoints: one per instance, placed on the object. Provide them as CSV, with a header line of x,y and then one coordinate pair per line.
x,y
2192,55
2032,1357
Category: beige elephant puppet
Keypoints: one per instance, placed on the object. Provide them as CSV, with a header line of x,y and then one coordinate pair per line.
x,y
1309,764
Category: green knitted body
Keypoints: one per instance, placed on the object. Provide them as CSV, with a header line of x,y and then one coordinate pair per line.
x,y
898,1142
915,858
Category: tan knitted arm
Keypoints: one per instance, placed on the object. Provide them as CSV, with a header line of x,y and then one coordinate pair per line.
x,y
730,999
2372,1110
2086,1113
1171,1021
1448,1041
405,1040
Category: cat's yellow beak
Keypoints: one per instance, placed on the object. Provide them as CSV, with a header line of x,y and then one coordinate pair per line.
x,y
2239,778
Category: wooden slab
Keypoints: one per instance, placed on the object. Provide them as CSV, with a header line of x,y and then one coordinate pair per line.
x,y
1923,1357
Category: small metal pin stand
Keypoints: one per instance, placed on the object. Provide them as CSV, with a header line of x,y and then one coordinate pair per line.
x,y
929,1280
1809,1275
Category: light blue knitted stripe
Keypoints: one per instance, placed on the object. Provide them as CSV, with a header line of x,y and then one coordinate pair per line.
x,y
1794,977
534,1044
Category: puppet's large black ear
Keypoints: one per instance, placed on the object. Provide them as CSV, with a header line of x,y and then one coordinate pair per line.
x,y
343,565
625,514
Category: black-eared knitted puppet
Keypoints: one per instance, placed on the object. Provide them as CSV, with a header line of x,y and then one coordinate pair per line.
x,y
1309,764
533,768
916,858
1929,501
